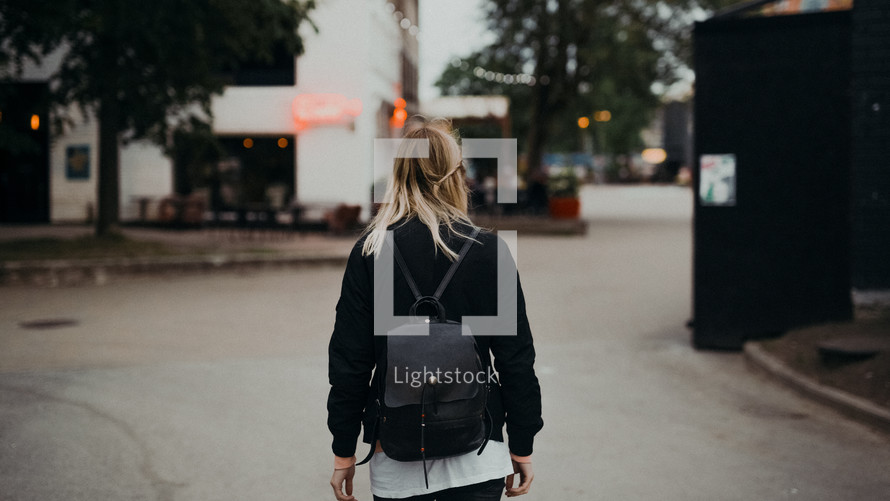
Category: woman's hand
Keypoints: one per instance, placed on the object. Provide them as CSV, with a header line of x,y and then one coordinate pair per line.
x,y
340,476
525,479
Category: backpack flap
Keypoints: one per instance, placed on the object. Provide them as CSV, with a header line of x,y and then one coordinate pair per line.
x,y
447,354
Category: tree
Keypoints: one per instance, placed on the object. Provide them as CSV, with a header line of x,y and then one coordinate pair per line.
x,y
572,57
144,68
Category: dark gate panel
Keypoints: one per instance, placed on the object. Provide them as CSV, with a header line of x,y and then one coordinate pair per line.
x,y
775,93
871,145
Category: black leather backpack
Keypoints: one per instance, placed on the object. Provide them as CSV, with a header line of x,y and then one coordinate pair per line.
x,y
432,398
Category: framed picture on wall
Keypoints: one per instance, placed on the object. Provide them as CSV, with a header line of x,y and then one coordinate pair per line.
x,y
77,161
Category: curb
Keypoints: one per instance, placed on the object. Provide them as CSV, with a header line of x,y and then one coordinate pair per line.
x,y
533,225
55,273
852,406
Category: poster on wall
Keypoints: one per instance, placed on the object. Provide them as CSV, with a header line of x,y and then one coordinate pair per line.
x,y
77,161
718,180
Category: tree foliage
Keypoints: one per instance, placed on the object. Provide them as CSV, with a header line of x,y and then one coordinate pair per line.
x,y
584,55
143,67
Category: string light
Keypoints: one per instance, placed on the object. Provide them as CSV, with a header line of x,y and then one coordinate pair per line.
x,y
403,21
495,76
491,76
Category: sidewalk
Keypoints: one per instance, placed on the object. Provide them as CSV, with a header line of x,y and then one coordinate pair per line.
x,y
843,365
196,250
201,250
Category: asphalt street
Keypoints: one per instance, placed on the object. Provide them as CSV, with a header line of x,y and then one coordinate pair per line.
x,y
213,387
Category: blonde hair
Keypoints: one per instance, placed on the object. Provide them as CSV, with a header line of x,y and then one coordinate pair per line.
x,y
429,189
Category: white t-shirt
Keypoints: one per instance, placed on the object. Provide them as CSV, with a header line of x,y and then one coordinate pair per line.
x,y
398,479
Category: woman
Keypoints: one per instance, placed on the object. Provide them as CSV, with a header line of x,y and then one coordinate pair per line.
x,y
426,209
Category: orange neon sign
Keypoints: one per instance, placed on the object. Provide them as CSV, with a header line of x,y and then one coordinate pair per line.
x,y
324,109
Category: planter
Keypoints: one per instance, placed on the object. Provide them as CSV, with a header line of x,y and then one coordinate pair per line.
x,y
565,207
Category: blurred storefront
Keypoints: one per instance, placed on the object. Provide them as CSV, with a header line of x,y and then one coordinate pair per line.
x,y
356,81
48,176
297,132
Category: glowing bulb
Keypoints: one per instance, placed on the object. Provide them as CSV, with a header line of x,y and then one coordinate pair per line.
x,y
282,143
654,155
248,143
35,122
583,122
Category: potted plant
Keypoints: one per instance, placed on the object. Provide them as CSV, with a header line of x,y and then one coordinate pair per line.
x,y
563,190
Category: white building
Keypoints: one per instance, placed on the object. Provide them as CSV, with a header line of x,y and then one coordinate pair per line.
x,y
306,138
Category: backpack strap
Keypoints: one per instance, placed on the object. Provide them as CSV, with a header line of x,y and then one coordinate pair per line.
x,y
373,433
446,279
460,257
404,267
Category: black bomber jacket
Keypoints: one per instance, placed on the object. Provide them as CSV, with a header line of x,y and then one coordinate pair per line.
x,y
354,349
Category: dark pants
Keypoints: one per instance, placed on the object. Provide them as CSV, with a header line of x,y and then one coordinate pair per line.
x,y
486,491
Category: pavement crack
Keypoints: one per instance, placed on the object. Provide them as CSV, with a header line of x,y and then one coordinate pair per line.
x,y
164,489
